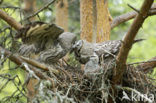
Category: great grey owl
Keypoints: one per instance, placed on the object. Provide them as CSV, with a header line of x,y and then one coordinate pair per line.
x,y
48,42
91,54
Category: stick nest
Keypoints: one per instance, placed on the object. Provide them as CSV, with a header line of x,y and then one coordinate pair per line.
x,y
72,86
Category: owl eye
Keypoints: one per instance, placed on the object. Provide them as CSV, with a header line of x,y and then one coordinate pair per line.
x,y
78,44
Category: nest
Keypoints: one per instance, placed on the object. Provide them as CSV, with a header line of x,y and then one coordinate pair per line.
x,y
72,86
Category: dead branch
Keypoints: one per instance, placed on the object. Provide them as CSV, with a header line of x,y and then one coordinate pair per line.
x,y
147,66
9,7
125,17
38,65
11,21
20,60
128,41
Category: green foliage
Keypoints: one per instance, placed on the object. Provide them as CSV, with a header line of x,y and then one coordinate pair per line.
x,y
144,50
141,51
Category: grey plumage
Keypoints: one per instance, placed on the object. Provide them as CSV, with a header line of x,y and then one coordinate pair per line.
x,y
59,50
52,55
108,48
95,54
39,34
66,40
92,66
38,31
27,49
47,41
84,50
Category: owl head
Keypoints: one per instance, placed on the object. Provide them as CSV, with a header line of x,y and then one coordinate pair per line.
x,y
77,46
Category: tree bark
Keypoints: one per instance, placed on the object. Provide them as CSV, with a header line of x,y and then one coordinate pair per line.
x,y
11,21
127,44
62,14
86,19
128,40
95,24
103,23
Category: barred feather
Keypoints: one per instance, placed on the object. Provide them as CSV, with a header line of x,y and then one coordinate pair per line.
x,y
47,41
52,55
109,49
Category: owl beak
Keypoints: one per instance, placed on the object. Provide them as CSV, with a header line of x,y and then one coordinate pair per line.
x,y
72,48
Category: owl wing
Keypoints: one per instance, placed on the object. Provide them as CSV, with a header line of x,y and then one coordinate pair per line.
x,y
108,48
52,55
35,32
27,50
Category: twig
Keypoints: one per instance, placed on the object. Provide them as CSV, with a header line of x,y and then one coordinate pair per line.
x,y
36,13
142,62
133,8
122,18
9,7
12,22
147,66
152,12
19,61
30,71
38,65
125,17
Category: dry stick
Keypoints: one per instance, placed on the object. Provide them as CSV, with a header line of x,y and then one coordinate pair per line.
x,y
16,59
133,8
128,41
12,22
125,17
147,66
39,65
19,61
142,62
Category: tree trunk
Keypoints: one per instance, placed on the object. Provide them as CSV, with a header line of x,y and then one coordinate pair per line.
x,y
86,19
103,24
95,20
62,14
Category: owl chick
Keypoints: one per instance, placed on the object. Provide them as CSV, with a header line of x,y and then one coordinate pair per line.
x,y
91,53
60,49
46,41
39,36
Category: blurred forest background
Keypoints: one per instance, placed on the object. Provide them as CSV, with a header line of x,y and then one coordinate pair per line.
x,y
141,51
